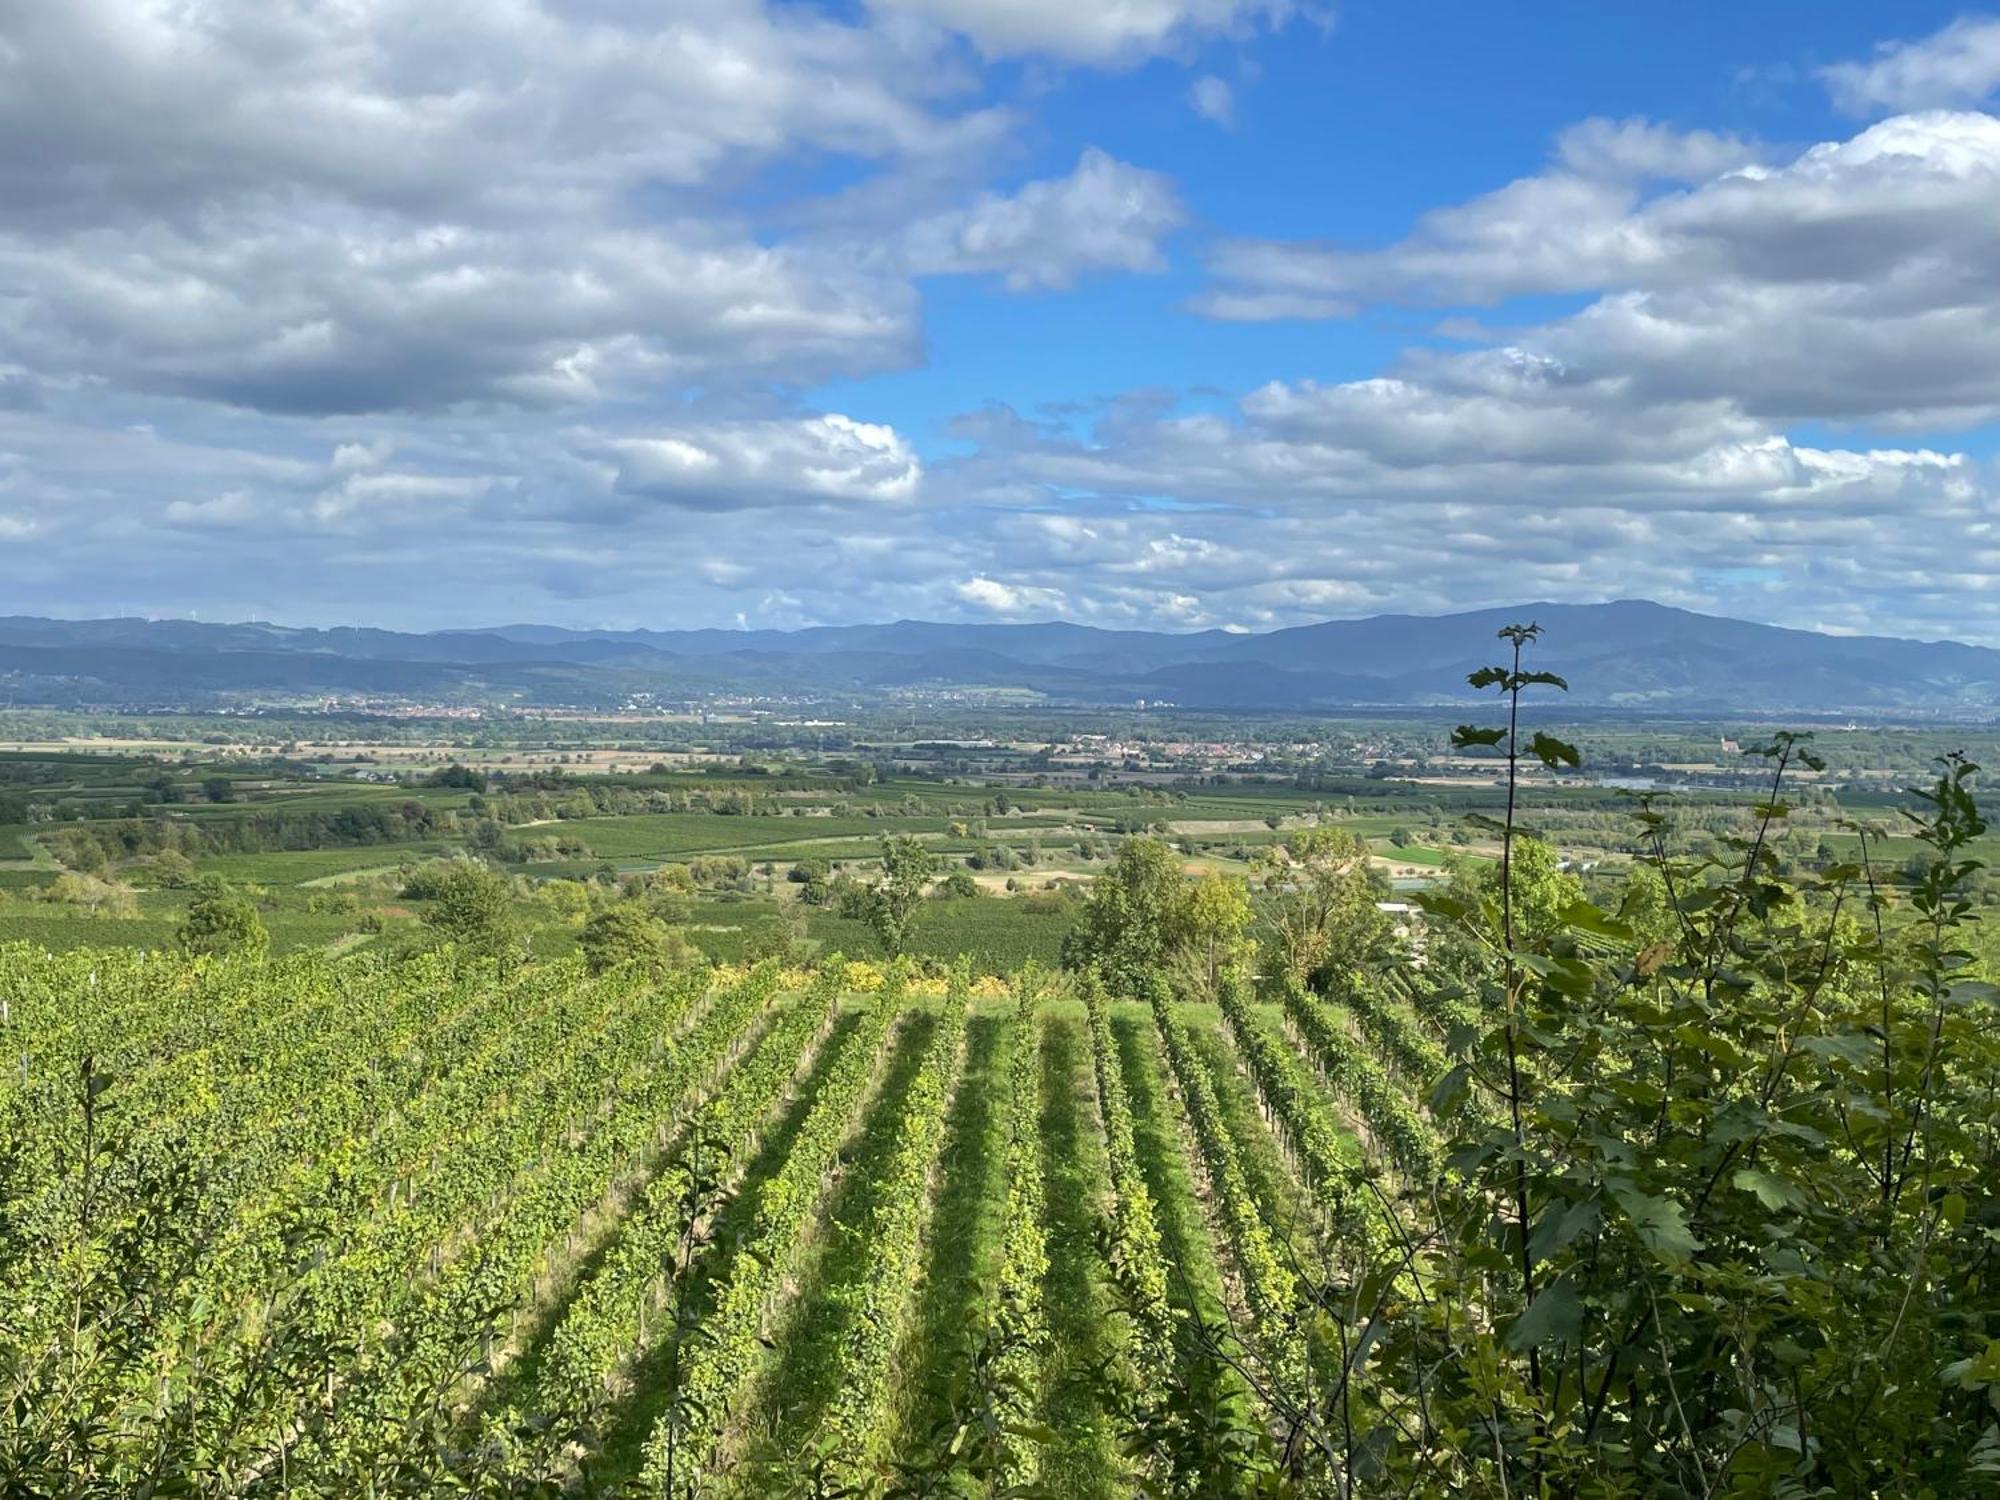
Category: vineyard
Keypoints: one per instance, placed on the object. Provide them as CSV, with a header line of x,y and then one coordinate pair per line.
x,y
1456,1220
340,1222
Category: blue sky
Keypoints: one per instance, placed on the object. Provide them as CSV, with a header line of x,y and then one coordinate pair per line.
x,y
1177,313
1350,130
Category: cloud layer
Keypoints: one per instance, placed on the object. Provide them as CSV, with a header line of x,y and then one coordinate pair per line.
x,y
443,313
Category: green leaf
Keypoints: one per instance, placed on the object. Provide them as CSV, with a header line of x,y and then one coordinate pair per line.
x,y
1969,991
1467,736
1450,1089
1848,1046
1773,1192
1438,904
1551,751
1660,1223
1554,1317
1560,1224
1586,917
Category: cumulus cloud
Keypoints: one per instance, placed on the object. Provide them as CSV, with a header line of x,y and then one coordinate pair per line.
x,y
132,108
1849,283
1105,216
459,312
1957,66
739,465
1112,31
261,308
1583,222
1640,150
1476,481
1452,481
1009,601
398,206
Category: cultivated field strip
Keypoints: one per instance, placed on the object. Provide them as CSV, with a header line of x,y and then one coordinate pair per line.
x,y
690,1434
606,1325
1351,1068
1263,1269
732,1232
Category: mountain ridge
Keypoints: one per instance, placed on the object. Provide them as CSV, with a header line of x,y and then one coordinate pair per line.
x,y
1630,653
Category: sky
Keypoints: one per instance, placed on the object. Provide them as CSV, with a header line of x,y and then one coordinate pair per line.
x,y
1141,313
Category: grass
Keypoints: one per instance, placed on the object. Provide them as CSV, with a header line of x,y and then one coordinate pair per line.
x,y
998,932
1420,854
673,836
1284,1203
304,866
63,928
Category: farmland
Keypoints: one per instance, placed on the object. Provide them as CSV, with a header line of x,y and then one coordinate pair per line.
x,y
323,836
538,1139
951,1108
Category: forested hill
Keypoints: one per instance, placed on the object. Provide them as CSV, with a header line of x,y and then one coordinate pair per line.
x,y
1630,653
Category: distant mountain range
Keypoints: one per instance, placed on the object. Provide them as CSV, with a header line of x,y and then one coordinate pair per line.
x,y
1631,653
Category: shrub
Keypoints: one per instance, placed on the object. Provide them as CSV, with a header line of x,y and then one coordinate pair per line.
x,y
224,924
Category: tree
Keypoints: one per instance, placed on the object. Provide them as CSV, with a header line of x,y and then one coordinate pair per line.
x,y
813,877
224,924
456,775
1217,916
1135,916
1319,904
1540,889
471,905
959,885
219,789
628,936
107,898
171,870
890,904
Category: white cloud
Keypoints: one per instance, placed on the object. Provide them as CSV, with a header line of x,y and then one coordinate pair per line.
x,y
1957,66
452,312
1105,216
1476,479
1012,601
386,205
288,312
1451,481
226,511
1213,99
528,107
738,465
1639,150
1850,283
1581,223
1098,31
